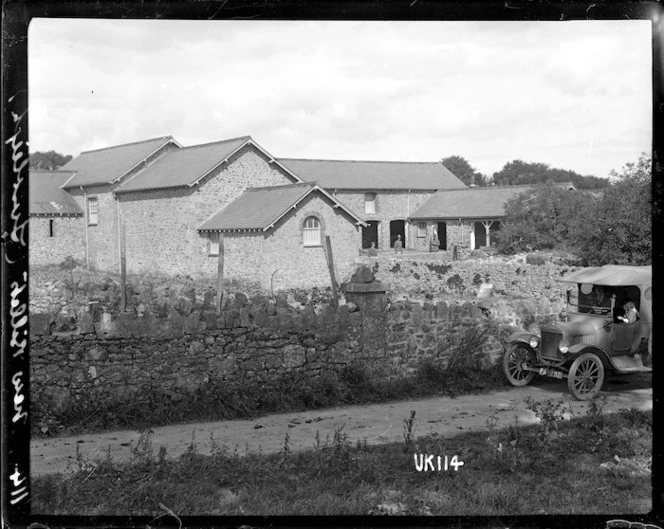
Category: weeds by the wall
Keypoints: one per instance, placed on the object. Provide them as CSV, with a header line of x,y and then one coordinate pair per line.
x,y
505,472
409,428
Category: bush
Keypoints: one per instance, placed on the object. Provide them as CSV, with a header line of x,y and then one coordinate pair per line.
x,y
611,226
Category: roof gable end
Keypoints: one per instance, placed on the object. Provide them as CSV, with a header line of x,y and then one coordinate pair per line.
x,y
110,165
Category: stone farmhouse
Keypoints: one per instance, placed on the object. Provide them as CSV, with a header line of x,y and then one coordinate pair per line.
x,y
174,209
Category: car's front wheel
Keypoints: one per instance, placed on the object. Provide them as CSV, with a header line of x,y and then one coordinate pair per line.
x,y
585,377
517,357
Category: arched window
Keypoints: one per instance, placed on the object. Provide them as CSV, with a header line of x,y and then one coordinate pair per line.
x,y
311,232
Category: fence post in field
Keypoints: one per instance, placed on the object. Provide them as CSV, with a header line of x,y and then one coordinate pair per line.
x,y
330,266
123,266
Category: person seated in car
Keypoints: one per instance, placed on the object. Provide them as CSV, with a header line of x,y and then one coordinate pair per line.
x,y
599,300
631,314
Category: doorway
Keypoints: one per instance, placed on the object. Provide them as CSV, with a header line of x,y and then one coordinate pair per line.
x,y
370,234
397,227
442,236
480,236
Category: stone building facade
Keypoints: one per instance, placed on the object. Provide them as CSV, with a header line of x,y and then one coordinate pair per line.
x,y
96,176
384,194
148,200
56,220
161,224
53,239
279,258
390,215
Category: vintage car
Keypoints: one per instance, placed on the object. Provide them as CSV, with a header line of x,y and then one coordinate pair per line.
x,y
597,335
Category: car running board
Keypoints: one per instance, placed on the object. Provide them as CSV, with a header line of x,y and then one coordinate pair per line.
x,y
627,364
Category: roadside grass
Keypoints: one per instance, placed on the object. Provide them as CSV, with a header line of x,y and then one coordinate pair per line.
x,y
221,400
592,464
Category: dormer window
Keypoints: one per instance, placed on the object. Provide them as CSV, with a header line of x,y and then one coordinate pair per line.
x,y
370,202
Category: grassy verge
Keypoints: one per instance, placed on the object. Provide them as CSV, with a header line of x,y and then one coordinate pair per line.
x,y
220,400
595,464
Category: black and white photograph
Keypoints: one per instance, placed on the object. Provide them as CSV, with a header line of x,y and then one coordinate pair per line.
x,y
339,267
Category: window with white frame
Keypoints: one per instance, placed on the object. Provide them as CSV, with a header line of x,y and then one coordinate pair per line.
x,y
93,211
370,202
421,229
311,232
213,243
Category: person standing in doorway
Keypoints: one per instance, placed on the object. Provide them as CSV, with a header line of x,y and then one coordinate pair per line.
x,y
398,245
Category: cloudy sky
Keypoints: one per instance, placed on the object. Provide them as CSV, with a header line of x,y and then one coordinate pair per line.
x,y
575,95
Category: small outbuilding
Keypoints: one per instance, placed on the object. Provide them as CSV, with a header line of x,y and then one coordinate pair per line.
x,y
276,236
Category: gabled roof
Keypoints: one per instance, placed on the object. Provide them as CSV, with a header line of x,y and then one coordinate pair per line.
x,y
187,166
109,165
477,202
346,174
47,197
259,209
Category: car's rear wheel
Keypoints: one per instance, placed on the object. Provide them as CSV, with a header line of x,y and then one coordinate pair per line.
x,y
586,376
515,359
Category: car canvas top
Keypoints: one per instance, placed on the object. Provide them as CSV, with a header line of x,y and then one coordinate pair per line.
x,y
612,275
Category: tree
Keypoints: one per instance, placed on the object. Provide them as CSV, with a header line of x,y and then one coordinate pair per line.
x,y
464,171
618,228
540,218
613,226
519,172
48,161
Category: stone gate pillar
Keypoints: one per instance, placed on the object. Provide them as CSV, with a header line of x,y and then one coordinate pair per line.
x,y
370,297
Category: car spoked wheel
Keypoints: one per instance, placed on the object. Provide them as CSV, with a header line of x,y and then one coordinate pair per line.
x,y
515,359
586,376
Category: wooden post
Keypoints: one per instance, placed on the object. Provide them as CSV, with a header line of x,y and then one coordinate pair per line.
x,y
220,273
123,267
487,228
86,217
330,266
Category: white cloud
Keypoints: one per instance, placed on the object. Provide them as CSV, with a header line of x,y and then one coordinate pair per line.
x,y
576,95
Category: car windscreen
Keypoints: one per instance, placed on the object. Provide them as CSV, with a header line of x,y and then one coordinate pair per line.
x,y
596,299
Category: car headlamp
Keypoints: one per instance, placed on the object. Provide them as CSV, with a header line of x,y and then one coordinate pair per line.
x,y
533,342
563,346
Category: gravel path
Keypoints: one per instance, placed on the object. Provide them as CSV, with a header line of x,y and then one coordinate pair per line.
x,y
377,423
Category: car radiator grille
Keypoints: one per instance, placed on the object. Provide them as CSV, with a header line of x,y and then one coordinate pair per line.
x,y
550,341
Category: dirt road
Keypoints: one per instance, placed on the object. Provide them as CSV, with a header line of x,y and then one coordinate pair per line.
x,y
378,423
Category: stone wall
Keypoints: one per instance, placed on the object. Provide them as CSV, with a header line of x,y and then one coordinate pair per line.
x,y
110,358
68,239
439,277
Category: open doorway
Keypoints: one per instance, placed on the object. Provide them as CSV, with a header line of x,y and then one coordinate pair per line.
x,y
480,236
397,227
442,235
370,234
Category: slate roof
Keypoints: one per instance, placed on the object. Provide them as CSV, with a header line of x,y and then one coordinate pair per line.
x,y
187,166
47,197
108,165
367,175
259,208
478,202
